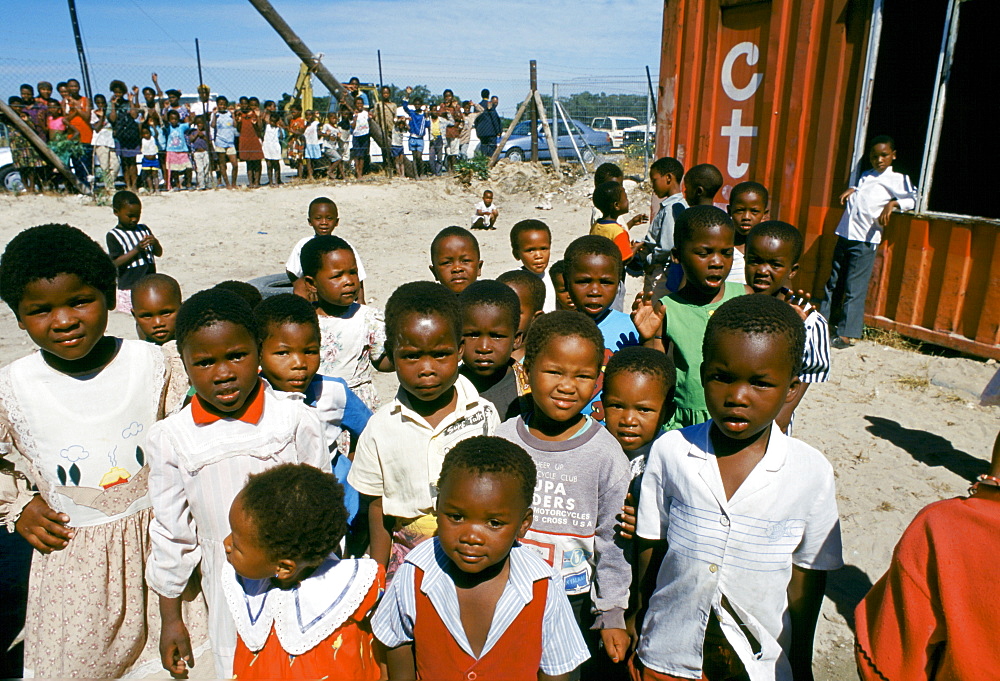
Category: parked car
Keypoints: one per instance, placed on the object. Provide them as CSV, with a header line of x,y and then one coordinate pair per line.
x,y
10,178
637,134
615,126
518,147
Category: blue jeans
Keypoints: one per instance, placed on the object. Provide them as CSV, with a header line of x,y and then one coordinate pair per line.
x,y
15,562
437,155
852,269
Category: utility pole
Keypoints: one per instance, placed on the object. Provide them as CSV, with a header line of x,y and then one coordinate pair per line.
x,y
84,69
534,114
299,48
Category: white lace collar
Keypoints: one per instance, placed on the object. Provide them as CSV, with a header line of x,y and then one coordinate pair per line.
x,y
303,616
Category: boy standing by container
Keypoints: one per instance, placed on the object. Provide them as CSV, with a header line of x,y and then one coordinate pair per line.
x,y
878,192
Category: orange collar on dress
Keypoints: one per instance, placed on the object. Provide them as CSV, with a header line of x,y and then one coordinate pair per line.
x,y
251,411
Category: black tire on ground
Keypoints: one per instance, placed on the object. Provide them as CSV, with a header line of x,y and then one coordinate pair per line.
x,y
272,284
10,179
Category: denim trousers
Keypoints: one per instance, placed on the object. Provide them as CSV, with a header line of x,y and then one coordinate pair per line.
x,y
848,283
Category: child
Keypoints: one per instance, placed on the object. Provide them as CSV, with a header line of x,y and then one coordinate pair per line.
x,y
248,292
486,213
282,568
611,172
772,261
701,184
251,128
200,144
455,259
176,145
329,143
516,622
490,315
289,334
199,458
747,207
400,132
557,275
80,497
311,138
323,216
352,334
665,175
155,301
923,619
583,475
132,246
399,455
360,136
418,128
531,296
593,276
703,247
879,191
271,146
531,243
224,140
150,159
610,198
737,522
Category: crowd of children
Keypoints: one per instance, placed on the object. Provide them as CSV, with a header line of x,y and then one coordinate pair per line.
x,y
154,140
558,489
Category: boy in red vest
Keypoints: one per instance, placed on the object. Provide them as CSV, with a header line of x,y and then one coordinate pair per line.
x,y
472,603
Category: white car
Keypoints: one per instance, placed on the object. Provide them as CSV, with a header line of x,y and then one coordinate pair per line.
x,y
615,127
10,178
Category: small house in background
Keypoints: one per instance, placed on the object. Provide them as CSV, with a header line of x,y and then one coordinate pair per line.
x,y
788,92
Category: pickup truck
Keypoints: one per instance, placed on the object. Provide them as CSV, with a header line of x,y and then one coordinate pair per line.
x,y
614,126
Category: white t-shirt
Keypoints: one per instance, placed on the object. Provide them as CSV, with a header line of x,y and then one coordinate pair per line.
x,y
294,264
361,126
738,275
743,548
874,190
312,133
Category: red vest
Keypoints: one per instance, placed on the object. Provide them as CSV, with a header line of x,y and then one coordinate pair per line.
x,y
517,655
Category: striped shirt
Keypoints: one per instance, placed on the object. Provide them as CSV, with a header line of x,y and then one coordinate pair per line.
x,y
121,241
816,358
563,647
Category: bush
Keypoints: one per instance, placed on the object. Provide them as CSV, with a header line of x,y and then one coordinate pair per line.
x,y
477,167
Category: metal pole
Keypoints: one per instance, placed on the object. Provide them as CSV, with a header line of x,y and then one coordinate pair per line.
x,y
201,80
534,113
84,69
579,154
381,82
645,140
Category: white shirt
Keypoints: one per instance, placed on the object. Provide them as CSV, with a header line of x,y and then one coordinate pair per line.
x,y
738,274
312,133
873,191
743,548
550,289
294,264
361,125
399,455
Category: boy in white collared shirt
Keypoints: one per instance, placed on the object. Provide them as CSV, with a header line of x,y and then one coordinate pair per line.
x,y
739,521
399,454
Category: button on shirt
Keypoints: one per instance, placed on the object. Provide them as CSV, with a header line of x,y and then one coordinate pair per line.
x,y
873,191
743,548
399,454
563,648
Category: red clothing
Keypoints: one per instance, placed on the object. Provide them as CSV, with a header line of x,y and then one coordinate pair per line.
x,y
933,614
614,231
82,123
250,146
516,656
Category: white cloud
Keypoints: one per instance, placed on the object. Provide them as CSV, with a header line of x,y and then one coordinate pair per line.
x,y
74,453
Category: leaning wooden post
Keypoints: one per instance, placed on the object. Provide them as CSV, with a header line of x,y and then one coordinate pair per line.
x,y
299,48
550,140
534,114
510,129
41,146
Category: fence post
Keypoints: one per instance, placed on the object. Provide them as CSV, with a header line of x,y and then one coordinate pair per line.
x,y
534,114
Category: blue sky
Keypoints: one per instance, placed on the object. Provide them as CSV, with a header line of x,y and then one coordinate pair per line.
x,y
441,43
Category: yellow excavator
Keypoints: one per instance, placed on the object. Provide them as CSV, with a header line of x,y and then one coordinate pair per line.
x,y
303,91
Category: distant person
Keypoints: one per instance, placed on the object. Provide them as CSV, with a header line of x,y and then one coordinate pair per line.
x,y
488,125
360,136
418,128
383,119
879,191
748,205
451,109
312,151
271,146
132,246
469,115
223,125
200,143
665,174
486,212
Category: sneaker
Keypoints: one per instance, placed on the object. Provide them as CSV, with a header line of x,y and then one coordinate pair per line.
x,y
841,343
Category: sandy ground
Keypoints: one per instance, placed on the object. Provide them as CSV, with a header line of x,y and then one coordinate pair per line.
x,y
902,429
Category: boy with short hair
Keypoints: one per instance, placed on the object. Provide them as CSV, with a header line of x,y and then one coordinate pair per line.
x,y
701,184
737,521
531,243
747,206
156,298
323,217
666,176
131,245
399,455
490,315
455,259
557,276
611,199
879,191
531,296
772,261
610,172
486,213
519,623
583,475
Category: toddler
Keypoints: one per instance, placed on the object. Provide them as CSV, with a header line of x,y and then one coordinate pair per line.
x,y
352,335
583,476
271,147
703,247
400,453
455,259
199,458
531,243
665,175
329,143
486,213
879,191
155,301
557,275
490,314
199,142
772,261
323,216
80,498
531,296
400,133
131,245
737,522
311,137
747,207
516,621
150,150
285,526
